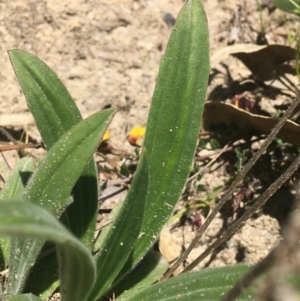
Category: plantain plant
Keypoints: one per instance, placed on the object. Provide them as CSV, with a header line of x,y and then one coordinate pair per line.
x,y
48,213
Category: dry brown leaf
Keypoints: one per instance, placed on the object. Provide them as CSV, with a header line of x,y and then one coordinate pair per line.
x,y
223,53
234,123
267,63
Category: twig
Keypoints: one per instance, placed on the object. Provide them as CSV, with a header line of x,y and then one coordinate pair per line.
x,y
104,224
102,199
214,153
4,148
231,189
5,161
7,134
226,148
218,153
12,139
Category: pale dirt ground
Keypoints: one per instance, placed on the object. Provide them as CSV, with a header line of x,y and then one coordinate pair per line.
x,y
108,52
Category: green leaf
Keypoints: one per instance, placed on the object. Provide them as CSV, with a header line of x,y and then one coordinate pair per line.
x,y
208,285
55,112
149,270
100,240
15,183
174,121
214,144
25,297
14,187
49,101
80,216
119,241
76,265
290,6
43,279
52,183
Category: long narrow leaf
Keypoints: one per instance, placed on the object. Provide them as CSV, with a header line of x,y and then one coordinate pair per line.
x,y
174,121
76,265
55,112
49,101
52,183
14,187
208,285
118,242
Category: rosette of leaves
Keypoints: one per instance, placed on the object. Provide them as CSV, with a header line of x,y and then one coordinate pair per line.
x,y
47,219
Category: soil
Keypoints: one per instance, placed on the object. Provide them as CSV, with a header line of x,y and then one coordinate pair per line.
x,y
108,53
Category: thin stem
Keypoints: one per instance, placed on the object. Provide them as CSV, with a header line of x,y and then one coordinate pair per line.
x,y
9,147
262,25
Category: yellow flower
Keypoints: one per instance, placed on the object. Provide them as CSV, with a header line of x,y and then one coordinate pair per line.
x,y
136,135
106,136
